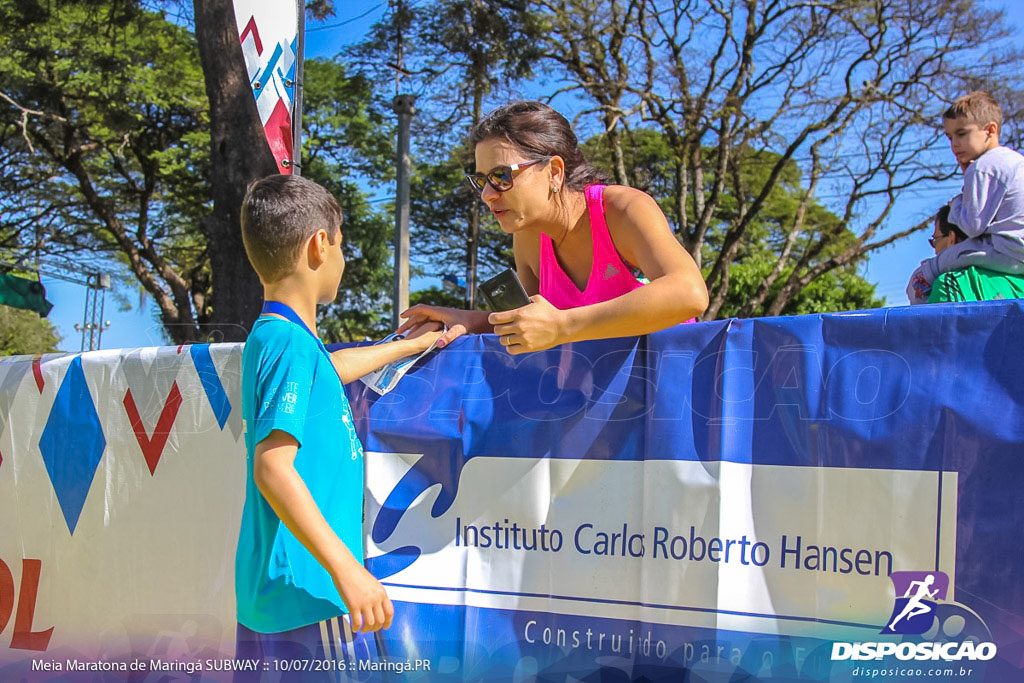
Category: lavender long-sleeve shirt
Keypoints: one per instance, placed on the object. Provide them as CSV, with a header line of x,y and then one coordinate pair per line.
x,y
990,211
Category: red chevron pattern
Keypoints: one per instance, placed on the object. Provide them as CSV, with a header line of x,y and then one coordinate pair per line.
x,y
153,446
37,372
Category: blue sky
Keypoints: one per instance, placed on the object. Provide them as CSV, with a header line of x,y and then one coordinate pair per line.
x,y
132,325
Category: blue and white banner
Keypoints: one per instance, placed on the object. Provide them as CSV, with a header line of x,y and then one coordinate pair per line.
x,y
728,499
816,498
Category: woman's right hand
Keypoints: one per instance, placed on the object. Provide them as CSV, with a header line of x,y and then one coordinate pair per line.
x,y
457,320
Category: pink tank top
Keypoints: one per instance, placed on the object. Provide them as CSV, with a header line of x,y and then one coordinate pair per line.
x,y
610,277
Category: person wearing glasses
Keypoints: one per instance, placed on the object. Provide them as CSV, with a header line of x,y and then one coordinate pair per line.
x,y
577,242
944,233
973,283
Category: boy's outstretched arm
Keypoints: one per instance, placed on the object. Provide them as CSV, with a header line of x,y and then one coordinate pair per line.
x,y
274,470
351,364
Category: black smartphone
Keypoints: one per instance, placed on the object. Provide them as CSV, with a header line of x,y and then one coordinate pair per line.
x,y
504,291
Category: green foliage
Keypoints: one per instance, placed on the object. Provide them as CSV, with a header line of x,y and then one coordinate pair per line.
x,y
348,140
344,127
105,128
24,332
462,56
644,152
837,290
106,155
436,296
479,44
439,219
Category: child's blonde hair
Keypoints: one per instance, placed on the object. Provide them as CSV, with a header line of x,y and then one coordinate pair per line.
x,y
978,108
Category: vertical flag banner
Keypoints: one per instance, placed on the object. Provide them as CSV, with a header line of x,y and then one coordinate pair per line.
x,y
268,33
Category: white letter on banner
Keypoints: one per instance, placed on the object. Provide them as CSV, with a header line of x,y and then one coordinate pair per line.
x,y
885,649
906,651
842,378
842,650
985,651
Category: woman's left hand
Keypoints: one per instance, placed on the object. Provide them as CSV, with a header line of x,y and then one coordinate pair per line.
x,y
534,327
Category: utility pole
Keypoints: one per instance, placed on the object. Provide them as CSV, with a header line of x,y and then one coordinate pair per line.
x,y
404,106
473,248
300,8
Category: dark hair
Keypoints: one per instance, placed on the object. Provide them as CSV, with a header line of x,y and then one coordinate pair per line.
x,y
279,215
945,227
978,108
539,131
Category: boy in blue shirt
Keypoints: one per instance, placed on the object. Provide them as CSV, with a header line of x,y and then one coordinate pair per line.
x,y
990,210
300,585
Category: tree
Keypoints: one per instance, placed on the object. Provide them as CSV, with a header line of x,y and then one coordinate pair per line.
x,y
852,89
106,142
442,226
25,332
456,53
348,140
101,135
841,289
641,151
238,155
594,57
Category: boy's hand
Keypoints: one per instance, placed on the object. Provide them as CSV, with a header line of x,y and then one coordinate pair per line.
x,y
423,335
369,607
282,487
458,321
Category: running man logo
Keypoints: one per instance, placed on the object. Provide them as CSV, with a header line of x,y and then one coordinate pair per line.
x,y
916,595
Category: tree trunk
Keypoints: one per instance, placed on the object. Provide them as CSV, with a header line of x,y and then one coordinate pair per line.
x,y
239,155
615,140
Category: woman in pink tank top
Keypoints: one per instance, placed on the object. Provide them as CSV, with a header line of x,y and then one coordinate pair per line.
x,y
578,243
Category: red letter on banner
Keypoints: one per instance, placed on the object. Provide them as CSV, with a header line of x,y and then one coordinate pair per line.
x,y
24,638
6,595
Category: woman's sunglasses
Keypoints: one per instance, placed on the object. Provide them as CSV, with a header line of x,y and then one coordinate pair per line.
x,y
500,177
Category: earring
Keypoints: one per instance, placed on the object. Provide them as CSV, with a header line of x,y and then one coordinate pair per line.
x,y
554,188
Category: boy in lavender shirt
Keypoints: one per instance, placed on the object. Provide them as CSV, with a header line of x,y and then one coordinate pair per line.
x,y
990,210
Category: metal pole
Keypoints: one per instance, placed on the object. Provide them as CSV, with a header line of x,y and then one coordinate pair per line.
x,y
85,329
404,107
99,321
300,7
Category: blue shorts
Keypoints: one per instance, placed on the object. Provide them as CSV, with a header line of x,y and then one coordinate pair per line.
x,y
325,652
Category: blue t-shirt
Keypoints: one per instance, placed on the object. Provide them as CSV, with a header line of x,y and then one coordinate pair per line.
x,y
289,384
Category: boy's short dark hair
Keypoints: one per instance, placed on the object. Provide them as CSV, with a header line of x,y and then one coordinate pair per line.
x,y
279,215
978,108
945,227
